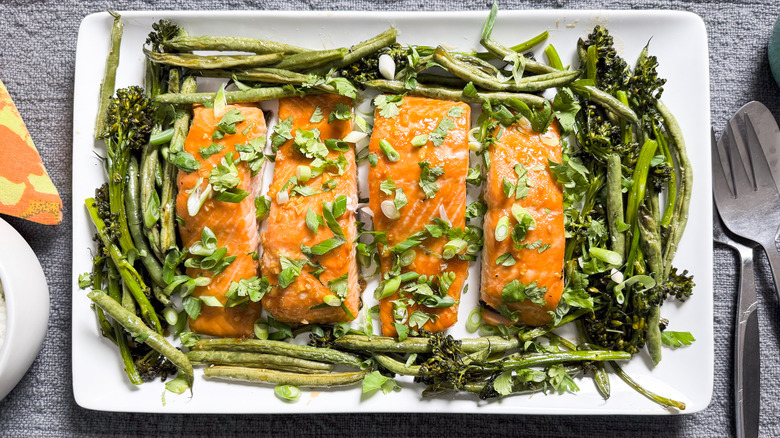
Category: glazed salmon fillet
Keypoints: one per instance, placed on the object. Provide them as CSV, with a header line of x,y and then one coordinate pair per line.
x,y
303,301
538,263
420,117
234,224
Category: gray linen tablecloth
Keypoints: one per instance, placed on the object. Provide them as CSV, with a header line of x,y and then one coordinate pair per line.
x,y
37,54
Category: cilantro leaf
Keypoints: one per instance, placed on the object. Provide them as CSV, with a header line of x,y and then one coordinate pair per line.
x,y
676,339
252,153
503,383
516,292
225,175
313,220
290,270
192,306
282,133
262,207
400,198
470,90
476,209
428,177
440,132
228,122
309,144
560,380
316,116
375,380
566,107
402,330
505,259
419,318
323,247
455,112
340,112
388,105
210,150
387,186
343,86
577,297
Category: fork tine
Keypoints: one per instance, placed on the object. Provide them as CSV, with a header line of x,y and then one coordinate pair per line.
x,y
720,185
762,173
736,128
739,172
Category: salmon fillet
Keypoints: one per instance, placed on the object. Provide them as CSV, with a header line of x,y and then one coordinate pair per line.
x,y
303,300
421,116
234,224
542,262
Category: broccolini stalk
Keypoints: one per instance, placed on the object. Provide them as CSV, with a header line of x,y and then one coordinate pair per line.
x,y
132,279
141,333
663,401
130,116
119,334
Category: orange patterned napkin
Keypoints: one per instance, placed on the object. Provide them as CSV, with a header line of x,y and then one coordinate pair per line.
x,y
26,191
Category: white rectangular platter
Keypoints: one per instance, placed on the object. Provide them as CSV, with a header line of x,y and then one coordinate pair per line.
x,y
678,39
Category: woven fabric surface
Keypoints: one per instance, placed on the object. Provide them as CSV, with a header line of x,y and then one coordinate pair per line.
x,y
37,56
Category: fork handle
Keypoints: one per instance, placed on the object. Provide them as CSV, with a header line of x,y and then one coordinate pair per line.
x,y
774,262
747,357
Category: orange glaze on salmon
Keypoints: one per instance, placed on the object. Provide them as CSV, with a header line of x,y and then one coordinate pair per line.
x,y
299,302
418,116
544,202
234,224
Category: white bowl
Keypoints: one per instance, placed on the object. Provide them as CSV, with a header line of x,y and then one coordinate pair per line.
x,y
27,304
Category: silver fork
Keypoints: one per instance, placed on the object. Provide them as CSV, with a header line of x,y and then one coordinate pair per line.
x,y
752,209
747,346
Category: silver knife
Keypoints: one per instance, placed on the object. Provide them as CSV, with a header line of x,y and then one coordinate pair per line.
x,y
747,349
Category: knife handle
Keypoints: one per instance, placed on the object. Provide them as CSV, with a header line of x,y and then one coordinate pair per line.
x,y
747,356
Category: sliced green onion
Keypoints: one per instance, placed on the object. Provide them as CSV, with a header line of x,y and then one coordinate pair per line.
x,y
389,210
407,257
197,198
475,146
170,315
202,281
502,229
606,256
420,140
332,300
453,247
474,320
261,329
210,301
220,102
388,287
287,393
552,57
389,151
354,137
303,173
161,137
519,212
282,197
360,123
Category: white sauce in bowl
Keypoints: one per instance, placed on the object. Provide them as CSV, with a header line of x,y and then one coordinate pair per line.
x,y
2,316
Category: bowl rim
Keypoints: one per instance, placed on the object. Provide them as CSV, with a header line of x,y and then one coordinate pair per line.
x,y
24,335
4,296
